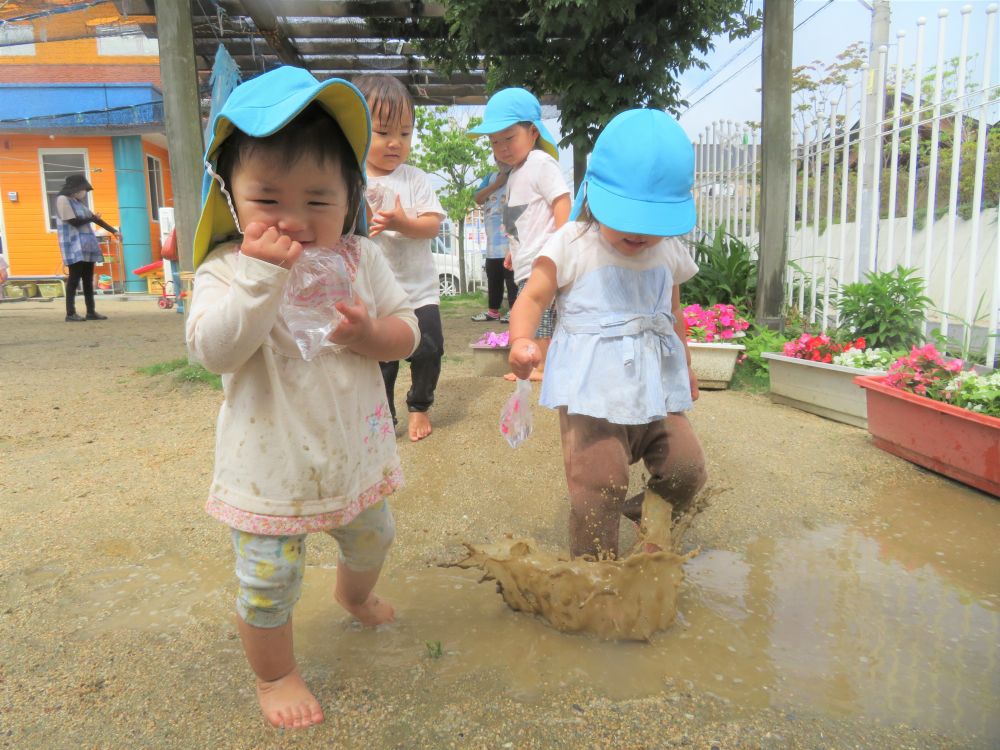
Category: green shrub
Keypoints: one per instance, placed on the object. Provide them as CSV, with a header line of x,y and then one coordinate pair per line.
x,y
727,273
887,309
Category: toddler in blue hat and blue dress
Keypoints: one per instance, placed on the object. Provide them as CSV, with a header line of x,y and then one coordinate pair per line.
x,y
618,367
538,201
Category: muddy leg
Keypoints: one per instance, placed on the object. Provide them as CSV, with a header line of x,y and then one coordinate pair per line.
x,y
676,463
596,462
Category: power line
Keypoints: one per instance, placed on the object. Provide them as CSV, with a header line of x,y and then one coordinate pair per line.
x,y
757,57
727,63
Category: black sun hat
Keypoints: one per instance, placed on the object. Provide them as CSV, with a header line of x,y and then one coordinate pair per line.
x,y
74,184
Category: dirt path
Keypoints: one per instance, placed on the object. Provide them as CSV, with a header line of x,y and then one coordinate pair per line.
x,y
116,588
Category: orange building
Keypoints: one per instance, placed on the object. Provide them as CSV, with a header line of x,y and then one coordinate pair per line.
x,y
88,105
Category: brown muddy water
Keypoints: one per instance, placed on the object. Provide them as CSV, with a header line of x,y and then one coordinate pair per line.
x,y
896,620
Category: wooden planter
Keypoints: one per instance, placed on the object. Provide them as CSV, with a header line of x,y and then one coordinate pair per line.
x,y
819,388
958,443
713,364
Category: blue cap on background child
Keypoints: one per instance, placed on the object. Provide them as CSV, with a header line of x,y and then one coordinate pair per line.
x,y
509,107
640,176
261,107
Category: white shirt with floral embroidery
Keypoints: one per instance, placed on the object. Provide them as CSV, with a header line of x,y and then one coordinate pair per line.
x,y
300,445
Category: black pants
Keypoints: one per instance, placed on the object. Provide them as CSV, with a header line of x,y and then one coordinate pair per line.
x,y
425,364
80,271
497,277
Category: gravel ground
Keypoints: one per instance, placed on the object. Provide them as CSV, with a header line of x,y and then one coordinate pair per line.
x,y
109,642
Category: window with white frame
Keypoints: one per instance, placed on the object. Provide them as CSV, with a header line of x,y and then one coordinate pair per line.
x,y
17,39
56,167
154,175
125,41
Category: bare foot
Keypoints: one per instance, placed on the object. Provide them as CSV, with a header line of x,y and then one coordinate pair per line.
x,y
373,611
288,703
420,425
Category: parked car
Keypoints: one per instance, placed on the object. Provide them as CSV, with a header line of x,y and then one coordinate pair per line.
x,y
445,252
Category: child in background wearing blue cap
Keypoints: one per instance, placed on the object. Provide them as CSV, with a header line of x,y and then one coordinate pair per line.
x,y
301,446
538,201
619,370
408,216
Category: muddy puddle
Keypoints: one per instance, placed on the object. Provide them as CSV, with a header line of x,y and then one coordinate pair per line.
x,y
896,620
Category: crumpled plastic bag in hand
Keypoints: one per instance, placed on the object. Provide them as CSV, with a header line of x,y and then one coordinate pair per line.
x,y
318,280
515,416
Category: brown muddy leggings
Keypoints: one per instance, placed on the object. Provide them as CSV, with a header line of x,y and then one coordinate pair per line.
x,y
597,455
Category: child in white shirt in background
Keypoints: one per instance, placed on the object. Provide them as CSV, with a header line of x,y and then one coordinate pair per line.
x,y
538,201
406,216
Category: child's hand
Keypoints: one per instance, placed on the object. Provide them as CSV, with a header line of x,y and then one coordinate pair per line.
x,y
695,392
270,245
394,219
508,261
356,325
524,357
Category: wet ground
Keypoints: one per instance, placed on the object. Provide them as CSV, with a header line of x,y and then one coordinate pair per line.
x,y
841,598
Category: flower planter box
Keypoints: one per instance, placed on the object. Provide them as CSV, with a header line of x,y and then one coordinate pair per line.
x,y
713,364
958,443
819,388
490,360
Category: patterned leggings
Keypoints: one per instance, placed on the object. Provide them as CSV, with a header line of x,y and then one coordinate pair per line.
x,y
270,568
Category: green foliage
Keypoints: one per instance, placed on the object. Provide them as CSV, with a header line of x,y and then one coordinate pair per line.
x,y
445,150
888,309
434,649
598,57
727,273
184,372
751,373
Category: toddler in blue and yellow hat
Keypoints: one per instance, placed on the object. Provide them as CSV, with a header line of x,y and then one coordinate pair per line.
x,y
302,445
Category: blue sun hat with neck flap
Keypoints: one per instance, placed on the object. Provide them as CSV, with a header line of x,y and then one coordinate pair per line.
x,y
509,107
261,107
640,176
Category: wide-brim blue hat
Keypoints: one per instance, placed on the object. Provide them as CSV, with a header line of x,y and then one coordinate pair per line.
x,y
509,107
261,107
640,176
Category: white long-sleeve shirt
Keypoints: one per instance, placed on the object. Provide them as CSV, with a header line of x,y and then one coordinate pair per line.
x,y
293,438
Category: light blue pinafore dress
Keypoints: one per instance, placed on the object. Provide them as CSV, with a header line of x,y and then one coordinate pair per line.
x,y
614,354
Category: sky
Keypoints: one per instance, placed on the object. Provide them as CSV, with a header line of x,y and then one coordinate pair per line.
x,y
824,29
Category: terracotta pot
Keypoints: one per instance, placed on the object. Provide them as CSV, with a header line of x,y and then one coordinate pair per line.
x,y
713,364
819,388
958,443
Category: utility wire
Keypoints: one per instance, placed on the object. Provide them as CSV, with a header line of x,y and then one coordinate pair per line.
x,y
757,57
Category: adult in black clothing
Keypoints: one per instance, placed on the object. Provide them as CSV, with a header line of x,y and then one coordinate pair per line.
x,y
78,244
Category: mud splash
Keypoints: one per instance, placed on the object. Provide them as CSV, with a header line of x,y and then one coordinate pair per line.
x,y
630,598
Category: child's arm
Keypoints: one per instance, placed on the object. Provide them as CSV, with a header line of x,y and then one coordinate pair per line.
x,y
537,295
232,314
560,209
422,227
681,331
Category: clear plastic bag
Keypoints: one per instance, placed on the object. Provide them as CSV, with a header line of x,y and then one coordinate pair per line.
x,y
318,281
380,197
515,416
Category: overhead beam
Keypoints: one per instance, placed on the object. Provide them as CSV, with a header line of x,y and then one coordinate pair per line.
x,y
273,30
348,8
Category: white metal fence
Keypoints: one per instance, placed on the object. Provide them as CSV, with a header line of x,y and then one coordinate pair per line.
x,y
926,164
